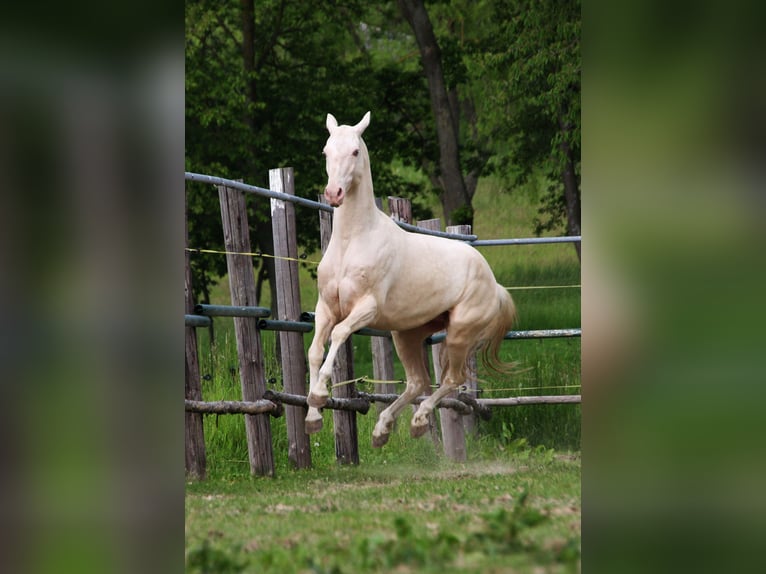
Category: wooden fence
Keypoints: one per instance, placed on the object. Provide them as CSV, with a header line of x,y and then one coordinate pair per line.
x,y
456,413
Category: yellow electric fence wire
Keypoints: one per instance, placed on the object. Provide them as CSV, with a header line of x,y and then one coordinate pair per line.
x,y
299,260
257,254
542,287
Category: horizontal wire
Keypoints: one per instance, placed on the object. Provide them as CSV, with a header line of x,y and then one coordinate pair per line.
x,y
256,254
543,287
259,254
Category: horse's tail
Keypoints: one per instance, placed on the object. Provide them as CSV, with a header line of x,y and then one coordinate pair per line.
x,y
496,330
491,338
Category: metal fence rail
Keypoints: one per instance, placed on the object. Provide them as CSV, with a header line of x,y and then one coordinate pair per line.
x,y
469,238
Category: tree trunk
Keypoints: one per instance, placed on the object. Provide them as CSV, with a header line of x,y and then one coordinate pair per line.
x,y
454,194
571,190
248,54
263,230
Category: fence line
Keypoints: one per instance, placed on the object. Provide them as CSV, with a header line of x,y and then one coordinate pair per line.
x,y
233,407
190,176
231,311
306,325
526,241
470,238
301,259
197,321
260,403
465,405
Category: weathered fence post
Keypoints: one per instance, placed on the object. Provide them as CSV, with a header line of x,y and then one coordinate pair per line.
x,y
432,225
194,436
453,433
382,358
344,422
469,421
288,307
383,367
452,424
236,235
400,209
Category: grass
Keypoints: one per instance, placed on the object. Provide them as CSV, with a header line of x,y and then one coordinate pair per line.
x,y
512,514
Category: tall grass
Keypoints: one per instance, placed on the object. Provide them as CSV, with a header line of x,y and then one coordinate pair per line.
x,y
550,366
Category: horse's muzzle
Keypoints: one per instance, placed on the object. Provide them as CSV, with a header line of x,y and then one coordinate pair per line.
x,y
334,196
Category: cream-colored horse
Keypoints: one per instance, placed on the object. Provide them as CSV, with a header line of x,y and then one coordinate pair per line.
x,y
378,275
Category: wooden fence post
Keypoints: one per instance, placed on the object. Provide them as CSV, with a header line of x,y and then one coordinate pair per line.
x,y
383,367
382,359
452,423
292,351
433,225
471,383
194,436
344,422
236,234
400,209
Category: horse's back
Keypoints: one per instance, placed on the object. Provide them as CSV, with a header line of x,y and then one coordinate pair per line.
x,y
431,276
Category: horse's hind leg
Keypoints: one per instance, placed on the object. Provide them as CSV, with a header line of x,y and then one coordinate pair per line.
x,y
458,347
409,348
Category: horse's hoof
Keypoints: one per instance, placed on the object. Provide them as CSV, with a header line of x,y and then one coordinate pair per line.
x,y
418,431
313,426
316,401
379,441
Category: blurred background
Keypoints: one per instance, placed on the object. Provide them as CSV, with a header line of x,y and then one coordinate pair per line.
x,y
674,150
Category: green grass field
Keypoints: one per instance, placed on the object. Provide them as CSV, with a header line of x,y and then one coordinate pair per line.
x,y
516,513
530,449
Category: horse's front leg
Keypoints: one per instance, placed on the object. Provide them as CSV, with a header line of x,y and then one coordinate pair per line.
x,y
361,315
324,321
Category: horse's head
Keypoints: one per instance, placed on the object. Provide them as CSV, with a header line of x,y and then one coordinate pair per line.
x,y
346,158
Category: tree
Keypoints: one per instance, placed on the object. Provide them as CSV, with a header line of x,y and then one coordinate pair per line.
x,y
458,88
252,104
462,155
450,177
529,71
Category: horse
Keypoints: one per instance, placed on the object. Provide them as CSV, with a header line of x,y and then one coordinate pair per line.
x,y
375,274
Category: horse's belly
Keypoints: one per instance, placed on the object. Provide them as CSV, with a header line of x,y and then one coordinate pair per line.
x,y
405,313
434,323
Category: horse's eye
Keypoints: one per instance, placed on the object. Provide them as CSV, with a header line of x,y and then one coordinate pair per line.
x,y
356,152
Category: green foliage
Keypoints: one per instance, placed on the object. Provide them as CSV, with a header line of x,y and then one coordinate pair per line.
x,y
311,58
513,67
528,72
208,560
463,215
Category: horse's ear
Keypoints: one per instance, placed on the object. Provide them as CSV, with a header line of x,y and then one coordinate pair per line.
x,y
362,125
332,123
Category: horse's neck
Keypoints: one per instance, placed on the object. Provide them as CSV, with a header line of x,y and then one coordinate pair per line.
x,y
358,213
